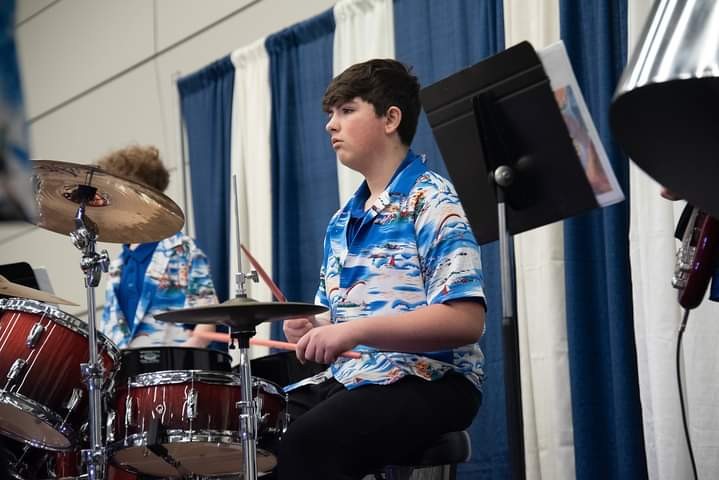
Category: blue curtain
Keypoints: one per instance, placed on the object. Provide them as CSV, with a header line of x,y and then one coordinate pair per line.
x,y
206,103
602,358
304,171
438,39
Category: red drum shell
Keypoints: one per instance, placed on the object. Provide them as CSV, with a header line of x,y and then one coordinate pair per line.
x,y
209,443
34,406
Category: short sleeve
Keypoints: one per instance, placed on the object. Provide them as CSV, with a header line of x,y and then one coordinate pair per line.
x,y
449,255
200,288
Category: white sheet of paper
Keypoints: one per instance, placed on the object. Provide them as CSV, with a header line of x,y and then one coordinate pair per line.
x,y
580,125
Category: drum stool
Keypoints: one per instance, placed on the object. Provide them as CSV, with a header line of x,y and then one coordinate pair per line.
x,y
448,449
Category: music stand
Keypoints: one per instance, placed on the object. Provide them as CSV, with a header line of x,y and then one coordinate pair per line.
x,y
515,168
20,273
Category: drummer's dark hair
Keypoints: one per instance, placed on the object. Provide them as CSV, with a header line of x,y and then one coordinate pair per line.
x,y
384,83
139,163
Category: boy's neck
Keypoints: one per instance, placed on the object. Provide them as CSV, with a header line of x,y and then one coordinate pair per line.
x,y
379,173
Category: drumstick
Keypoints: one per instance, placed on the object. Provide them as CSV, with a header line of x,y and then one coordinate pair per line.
x,y
224,337
265,278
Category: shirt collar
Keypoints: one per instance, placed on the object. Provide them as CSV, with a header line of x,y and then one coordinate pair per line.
x,y
401,183
140,254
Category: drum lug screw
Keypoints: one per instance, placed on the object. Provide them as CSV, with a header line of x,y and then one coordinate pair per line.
x,y
15,370
110,426
74,399
34,335
191,404
128,411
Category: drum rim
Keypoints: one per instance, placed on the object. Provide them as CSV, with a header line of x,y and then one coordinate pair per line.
x,y
68,321
176,377
179,435
42,413
139,440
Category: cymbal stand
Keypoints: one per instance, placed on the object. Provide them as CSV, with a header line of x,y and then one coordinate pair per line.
x,y
248,409
92,264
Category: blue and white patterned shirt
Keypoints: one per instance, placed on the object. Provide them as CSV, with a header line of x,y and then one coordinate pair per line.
x,y
177,277
413,248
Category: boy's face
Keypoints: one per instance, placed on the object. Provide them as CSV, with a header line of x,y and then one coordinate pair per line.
x,y
356,132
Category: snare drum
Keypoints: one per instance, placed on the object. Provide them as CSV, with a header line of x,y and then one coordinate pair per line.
x,y
43,398
194,419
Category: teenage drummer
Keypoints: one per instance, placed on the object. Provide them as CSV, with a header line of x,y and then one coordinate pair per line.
x,y
151,278
402,278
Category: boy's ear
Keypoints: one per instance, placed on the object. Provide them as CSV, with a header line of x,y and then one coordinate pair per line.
x,y
392,119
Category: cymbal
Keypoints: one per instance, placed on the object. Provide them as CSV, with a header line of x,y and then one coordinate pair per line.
x,y
16,290
123,211
241,313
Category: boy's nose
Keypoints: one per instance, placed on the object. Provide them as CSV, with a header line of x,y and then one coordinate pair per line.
x,y
331,125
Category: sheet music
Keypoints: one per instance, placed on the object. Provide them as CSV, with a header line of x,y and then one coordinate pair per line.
x,y
580,125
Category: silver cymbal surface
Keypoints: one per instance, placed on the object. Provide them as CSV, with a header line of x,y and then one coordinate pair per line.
x,y
122,210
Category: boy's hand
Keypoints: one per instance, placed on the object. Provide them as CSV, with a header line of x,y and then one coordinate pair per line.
x,y
296,328
324,344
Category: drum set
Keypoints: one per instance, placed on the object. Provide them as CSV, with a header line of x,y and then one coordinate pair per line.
x,y
72,405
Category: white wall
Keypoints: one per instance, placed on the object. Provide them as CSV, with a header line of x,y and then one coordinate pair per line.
x,y
100,74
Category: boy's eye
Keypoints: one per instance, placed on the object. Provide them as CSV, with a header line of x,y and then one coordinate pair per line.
x,y
347,110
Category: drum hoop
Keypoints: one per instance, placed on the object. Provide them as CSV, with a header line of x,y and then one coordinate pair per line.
x,y
227,437
65,319
268,386
42,413
171,377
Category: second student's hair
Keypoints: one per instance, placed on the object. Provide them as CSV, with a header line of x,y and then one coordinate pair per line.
x,y
383,83
139,163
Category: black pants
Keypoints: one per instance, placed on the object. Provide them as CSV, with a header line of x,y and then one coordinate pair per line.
x,y
344,434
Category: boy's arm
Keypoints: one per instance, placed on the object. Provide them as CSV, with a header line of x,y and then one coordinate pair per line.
x,y
431,328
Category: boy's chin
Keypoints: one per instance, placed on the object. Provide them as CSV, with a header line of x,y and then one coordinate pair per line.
x,y
347,162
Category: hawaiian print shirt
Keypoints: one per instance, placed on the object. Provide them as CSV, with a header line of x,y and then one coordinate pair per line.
x,y
178,277
413,248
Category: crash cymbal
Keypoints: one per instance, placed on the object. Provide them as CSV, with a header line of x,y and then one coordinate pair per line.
x,y
16,290
122,211
240,313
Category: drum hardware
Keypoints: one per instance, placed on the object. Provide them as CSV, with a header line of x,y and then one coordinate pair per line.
x,y
128,412
34,335
15,370
90,205
191,405
74,400
92,265
122,211
110,426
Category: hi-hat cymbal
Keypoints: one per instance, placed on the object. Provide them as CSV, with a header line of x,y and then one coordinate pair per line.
x,y
11,289
123,211
241,313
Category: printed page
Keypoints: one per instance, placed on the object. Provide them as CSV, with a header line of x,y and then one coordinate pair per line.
x,y
580,125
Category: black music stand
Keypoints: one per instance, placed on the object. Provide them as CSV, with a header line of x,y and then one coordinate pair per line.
x,y
513,163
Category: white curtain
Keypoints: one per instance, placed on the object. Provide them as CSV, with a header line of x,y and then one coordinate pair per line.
x,y
657,316
364,30
546,393
250,156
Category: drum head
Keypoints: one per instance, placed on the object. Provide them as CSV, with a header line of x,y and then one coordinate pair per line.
x,y
199,458
25,425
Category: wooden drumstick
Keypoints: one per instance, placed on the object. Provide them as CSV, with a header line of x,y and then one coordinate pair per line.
x,y
224,337
264,276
